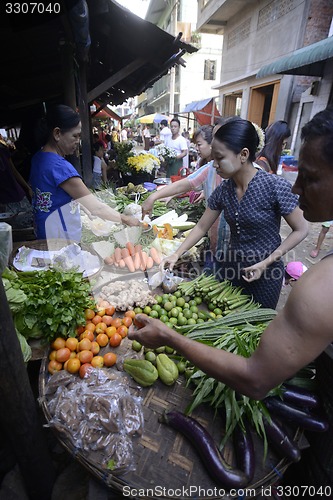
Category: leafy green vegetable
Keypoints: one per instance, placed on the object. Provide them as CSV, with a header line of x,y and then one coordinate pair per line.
x,y
54,302
25,347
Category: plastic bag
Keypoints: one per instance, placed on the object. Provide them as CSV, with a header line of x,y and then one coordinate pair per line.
x,y
6,245
98,415
165,278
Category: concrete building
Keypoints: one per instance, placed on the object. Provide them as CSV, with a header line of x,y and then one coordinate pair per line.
x,y
196,80
256,33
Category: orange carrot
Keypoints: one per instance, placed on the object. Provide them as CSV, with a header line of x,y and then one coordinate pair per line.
x,y
129,263
117,254
155,255
144,257
121,263
138,248
137,261
108,260
150,262
124,253
131,248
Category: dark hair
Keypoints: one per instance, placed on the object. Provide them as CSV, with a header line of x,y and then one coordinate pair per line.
x,y
237,134
108,137
321,126
275,134
60,116
175,120
97,146
164,122
206,131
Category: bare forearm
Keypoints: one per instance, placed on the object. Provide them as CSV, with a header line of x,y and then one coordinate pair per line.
x,y
289,243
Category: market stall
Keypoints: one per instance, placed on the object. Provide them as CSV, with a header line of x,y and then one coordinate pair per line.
x,y
139,435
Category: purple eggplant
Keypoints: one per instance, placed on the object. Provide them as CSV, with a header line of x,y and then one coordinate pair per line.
x,y
300,397
301,418
221,472
279,440
244,449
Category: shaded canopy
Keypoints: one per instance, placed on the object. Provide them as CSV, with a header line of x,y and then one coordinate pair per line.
x,y
205,111
154,118
309,60
124,55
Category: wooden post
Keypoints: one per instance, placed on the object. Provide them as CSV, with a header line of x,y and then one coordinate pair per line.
x,y
70,90
84,110
18,416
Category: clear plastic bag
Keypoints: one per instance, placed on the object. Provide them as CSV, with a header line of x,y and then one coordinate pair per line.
x,y
166,279
98,415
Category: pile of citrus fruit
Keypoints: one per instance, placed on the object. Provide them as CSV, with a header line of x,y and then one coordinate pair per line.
x,y
81,353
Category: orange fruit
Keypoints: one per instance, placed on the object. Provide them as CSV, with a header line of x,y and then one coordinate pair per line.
x,y
84,345
110,310
54,366
96,319
130,314
101,311
58,343
90,326
102,339
110,330
100,328
115,339
63,354
73,355
117,322
72,343
95,348
127,321
122,330
103,304
79,330
87,334
97,362
107,319
85,356
89,314
52,355
110,358
85,369
73,365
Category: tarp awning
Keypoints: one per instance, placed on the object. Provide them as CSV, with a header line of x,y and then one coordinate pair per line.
x,y
309,60
205,111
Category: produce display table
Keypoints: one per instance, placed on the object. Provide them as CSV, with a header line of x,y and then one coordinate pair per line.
x,y
167,461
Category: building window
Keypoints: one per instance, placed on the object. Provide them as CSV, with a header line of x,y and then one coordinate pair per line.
x,y
210,70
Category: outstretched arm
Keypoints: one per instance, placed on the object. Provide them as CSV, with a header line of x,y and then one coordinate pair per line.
x,y
298,334
299,227
76,188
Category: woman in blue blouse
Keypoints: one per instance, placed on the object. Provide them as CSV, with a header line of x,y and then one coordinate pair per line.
x,y
253,202
57,186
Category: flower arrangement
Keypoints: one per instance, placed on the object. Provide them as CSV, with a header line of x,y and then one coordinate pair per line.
x,y
165,153
261,135
143,162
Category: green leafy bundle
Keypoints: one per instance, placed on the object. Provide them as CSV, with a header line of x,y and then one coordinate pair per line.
x,y
53,303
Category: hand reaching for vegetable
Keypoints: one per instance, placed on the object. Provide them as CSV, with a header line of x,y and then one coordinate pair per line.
x,y
199,198
169,261
147,207
254,272
129,220
151,332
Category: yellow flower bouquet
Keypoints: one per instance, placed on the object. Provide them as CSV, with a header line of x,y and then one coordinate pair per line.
x,y
143,162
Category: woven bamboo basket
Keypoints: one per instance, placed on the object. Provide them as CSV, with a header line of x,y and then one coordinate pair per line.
x,y
165,459
55,245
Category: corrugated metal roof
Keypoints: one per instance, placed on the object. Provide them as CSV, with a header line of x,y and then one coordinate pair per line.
x,y
309,60
196,105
